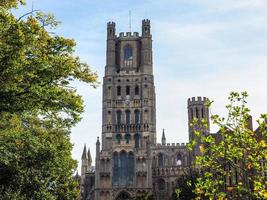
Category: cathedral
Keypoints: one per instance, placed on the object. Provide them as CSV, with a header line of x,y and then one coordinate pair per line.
x,y
129,160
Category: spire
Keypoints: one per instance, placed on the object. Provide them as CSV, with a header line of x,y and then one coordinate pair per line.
x,y
89,157
77,176
97,148
97,141
84,153
163,138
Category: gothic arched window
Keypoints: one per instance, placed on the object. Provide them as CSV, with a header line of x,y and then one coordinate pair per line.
x,y
128,56
136,140
118,90
127,117
136,90
127,90
161,160
197,115
137,116
123,161
146,116
116,168
118,138
118,117
130,174
127,138
179,159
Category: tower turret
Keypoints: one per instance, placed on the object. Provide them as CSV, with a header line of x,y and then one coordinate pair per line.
x,y
97,167
84,169
146,48
111,30
197,110
163,138
84,161
111,48
97,147
146,28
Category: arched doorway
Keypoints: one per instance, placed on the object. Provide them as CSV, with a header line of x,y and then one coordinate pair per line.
x,y
123,196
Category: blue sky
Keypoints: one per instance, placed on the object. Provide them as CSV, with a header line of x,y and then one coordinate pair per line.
x,y
200,48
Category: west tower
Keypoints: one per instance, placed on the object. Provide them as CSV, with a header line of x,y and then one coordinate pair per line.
x,y
128,160
128,115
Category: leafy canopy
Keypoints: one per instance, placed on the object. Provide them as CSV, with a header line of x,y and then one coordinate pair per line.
x,y
37,68
38,106
35,161
233,165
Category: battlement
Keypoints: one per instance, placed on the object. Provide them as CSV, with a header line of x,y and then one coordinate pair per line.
x,y
128,34
196,100
145,21
171,145
111,24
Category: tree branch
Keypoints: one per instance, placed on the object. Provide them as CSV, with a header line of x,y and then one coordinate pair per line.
x,y
29,13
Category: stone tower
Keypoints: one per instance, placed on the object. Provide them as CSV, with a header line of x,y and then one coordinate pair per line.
x,y
123,165
197,110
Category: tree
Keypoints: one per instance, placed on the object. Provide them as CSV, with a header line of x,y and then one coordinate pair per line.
x,y
38,106
37,68
35,161
232,166
185,187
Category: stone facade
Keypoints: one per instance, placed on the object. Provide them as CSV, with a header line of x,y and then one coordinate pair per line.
x,y
129,161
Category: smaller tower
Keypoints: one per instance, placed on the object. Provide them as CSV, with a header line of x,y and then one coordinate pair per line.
x,y
146,28
84,162
97,147
111,30
163,138
111,49
84,169
146,48
198,110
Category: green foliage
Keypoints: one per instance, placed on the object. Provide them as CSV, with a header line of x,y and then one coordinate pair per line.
x,y
7,4
239,154
38,107
185,187
35,160
144,196
37,68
